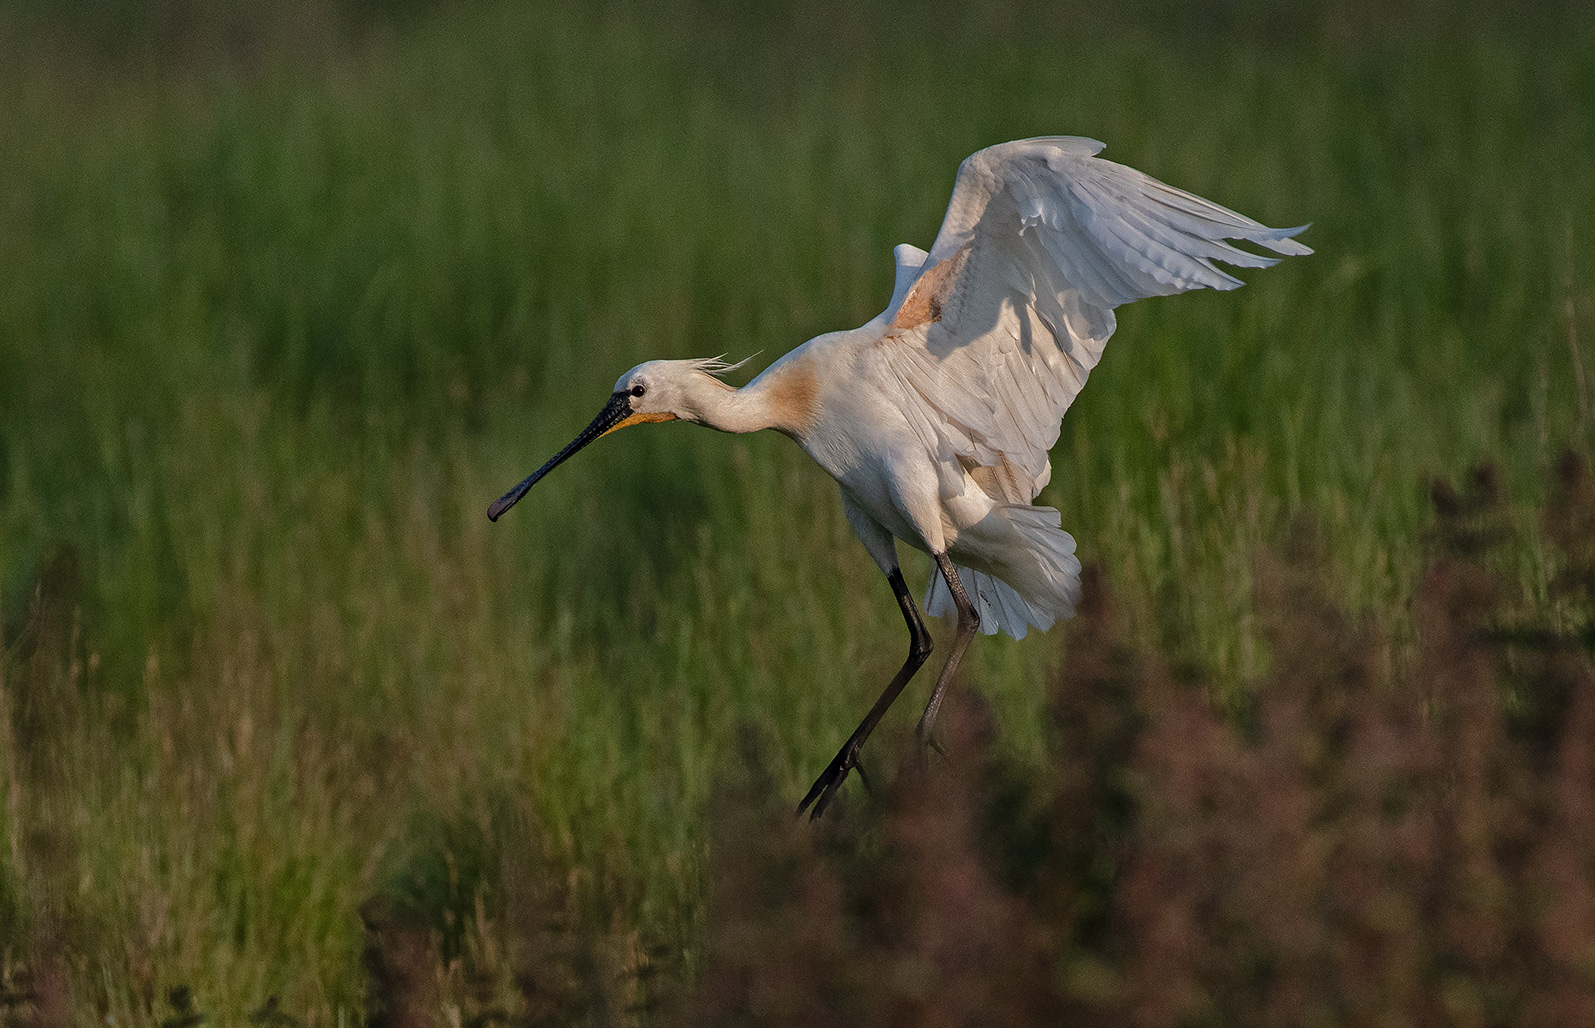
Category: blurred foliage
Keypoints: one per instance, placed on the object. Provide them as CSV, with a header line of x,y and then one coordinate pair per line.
x,y
292,290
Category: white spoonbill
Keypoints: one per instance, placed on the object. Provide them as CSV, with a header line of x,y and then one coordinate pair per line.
x,y
936,417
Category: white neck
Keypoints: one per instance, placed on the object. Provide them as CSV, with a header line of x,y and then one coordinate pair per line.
x,y
706,400
783,400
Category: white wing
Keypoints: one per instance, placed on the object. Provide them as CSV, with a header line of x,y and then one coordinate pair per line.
x,y
993,333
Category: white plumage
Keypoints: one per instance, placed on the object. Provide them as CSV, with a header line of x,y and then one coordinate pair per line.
x,y
937,416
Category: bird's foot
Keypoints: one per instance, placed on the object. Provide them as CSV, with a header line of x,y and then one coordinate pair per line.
x,y
928,743
825,787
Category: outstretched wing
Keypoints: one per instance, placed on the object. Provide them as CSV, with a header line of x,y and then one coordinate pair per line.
x,y
992,336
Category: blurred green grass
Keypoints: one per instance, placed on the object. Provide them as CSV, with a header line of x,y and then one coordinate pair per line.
x,y
291,292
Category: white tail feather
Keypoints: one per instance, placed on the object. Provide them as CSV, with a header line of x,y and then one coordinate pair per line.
x,y
1039,584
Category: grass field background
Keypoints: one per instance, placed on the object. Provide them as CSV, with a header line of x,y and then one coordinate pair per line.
x,y
292,291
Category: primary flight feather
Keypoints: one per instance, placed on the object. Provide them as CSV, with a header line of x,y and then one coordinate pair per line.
x,y
937,416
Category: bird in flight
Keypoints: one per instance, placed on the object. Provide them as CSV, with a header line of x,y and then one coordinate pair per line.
x,y
937,416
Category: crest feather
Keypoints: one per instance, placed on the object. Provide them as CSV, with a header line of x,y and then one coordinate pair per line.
x,y
717,366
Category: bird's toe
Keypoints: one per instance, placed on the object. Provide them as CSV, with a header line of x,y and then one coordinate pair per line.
x,y
830,781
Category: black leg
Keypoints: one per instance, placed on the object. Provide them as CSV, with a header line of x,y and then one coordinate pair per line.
x,y
968,625
919,647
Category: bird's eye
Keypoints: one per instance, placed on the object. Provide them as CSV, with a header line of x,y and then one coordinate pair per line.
x,y
638,390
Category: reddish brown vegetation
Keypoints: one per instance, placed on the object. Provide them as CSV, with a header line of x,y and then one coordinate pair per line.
x,y
1375,840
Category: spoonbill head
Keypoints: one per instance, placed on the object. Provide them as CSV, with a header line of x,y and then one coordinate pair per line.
x,y
658,390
